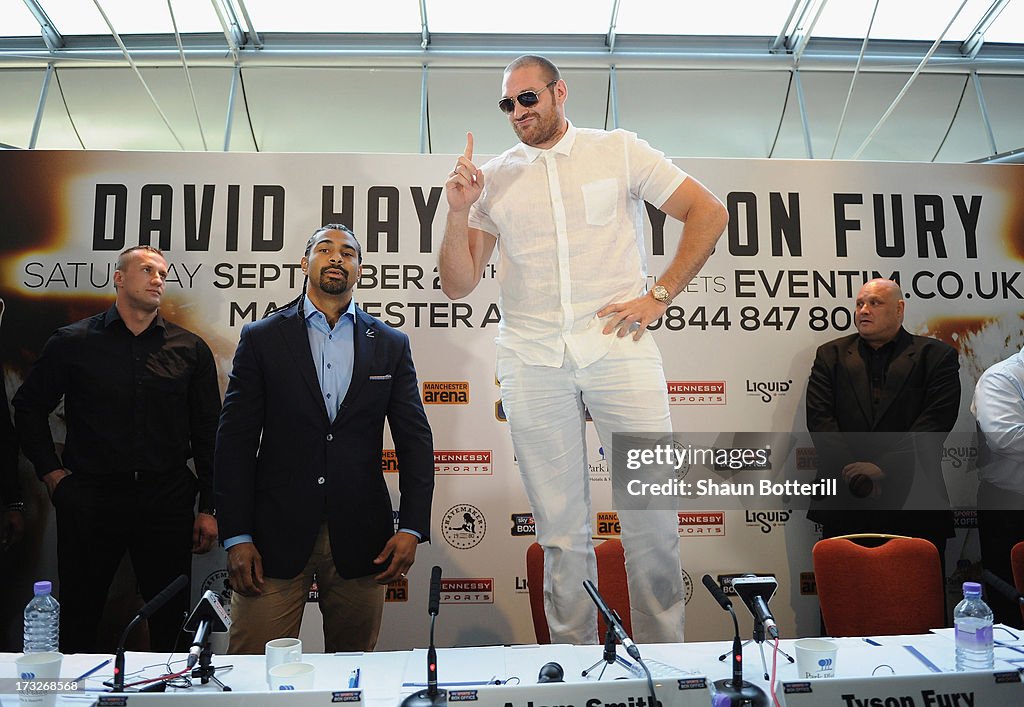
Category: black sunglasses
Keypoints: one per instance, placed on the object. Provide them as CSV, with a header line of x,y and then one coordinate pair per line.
x,y
526,99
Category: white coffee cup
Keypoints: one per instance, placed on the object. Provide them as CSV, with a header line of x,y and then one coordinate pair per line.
x,y
815,658
292,676
34,668
282,650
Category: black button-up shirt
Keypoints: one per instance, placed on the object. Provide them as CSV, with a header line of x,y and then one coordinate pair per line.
x,y
143,403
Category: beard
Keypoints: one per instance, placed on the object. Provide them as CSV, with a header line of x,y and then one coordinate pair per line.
x,y
543,130
332,286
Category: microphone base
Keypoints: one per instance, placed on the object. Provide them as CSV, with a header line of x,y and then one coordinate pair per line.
x,y
423,698
743,695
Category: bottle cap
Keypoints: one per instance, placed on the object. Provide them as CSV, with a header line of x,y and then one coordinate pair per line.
x,y
972,588
44,587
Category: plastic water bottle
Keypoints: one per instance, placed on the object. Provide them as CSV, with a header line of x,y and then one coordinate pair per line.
x,y
42,620
972,620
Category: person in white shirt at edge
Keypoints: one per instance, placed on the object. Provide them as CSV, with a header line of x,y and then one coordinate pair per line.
x,y
565,207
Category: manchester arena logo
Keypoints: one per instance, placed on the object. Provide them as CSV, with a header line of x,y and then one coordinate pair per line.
x,y
463,526
523,525
607,523
397,591
768,390
808,585
462,462
467,590
389,461
696,393
446,392
702,524
806,459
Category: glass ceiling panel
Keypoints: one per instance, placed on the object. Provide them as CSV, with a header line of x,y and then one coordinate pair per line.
x,y
525,16
334,16
1009,26
16,20
131,16
900,19
725,17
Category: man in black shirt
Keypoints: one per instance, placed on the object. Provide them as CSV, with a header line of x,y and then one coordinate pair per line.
x,y
879,405
140,398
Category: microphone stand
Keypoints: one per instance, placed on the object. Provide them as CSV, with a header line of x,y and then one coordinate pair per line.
x,y
741,693
206,671
610,657
758,638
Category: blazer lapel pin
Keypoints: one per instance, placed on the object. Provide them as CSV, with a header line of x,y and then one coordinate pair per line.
x,y
370,333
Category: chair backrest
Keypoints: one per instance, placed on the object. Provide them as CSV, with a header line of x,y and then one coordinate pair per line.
x,y
894,588
1017,563
611,582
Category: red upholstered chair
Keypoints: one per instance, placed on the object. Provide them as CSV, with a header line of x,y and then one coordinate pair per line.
x,y
894,588
1017,563
611,582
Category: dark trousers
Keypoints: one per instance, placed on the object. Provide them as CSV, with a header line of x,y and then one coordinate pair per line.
x,y
1000,527
99,518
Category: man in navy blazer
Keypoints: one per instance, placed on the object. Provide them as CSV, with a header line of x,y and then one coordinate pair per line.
x,y
880,403
298,477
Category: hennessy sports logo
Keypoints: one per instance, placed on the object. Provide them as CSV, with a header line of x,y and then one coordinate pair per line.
x,y
446,392
703,524
696,393
389,461
467,590
607,523
462,462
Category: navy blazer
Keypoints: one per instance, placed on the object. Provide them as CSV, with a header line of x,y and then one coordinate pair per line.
x,y
282,467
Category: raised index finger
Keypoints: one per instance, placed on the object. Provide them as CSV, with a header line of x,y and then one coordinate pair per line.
x,y
468,154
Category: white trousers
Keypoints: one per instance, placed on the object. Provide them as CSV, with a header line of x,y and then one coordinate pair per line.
x,y
624,391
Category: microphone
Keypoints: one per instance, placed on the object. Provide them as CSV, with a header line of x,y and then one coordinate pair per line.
x,y
756,592
208,617
434,602
738,690
716,591
432,696
612,620
154,604
551,672
151,607
1002,586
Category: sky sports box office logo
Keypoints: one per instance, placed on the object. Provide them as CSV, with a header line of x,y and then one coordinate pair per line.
x,y
523,525
446,392
696,393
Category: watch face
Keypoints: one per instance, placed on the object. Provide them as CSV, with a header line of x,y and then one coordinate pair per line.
x,y
660,293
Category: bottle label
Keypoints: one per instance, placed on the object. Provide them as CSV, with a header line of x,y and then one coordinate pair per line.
x,y
973,634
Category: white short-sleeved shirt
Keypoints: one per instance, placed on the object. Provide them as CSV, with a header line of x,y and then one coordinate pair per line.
x,y
569,227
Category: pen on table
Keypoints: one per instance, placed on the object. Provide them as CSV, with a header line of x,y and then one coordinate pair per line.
x,y
89,672
872,643
353,678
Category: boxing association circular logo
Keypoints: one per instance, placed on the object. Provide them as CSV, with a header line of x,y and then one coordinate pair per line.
x,y
463,526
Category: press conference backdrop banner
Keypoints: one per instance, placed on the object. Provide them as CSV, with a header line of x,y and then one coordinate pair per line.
x,y
737,344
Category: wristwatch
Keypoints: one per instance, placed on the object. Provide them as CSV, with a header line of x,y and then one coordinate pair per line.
x,y
661,294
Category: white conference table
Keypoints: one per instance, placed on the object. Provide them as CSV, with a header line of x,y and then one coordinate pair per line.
x,y
386,677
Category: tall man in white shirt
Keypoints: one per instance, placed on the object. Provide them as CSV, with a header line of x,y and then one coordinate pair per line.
x,y
999,408
565,207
